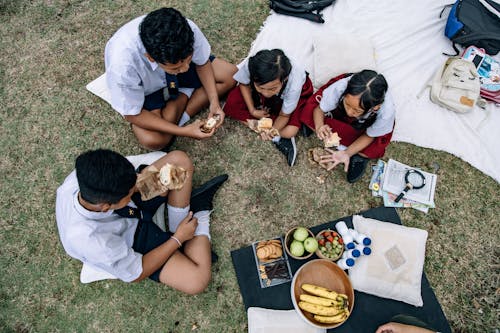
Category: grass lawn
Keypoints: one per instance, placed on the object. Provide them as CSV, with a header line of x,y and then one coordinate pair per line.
x,y
51,49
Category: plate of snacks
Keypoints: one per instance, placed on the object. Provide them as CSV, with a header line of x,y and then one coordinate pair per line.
x,y
272,262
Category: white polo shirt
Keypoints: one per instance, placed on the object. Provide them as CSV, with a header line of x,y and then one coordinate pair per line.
x,y
290,95
131,76
385,115
103,240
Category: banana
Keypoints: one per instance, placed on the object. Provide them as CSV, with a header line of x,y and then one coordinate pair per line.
x,y
331,319
320,300
319,309
320,291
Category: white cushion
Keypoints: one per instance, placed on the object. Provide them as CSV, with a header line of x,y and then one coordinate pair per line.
x,y
90,273
99,87
336,54
394,269
262,320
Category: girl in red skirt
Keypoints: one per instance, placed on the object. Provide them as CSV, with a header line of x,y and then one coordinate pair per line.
x,y
359,108
270,85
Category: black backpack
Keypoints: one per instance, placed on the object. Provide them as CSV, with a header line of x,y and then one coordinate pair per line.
x,y
475,22
307,9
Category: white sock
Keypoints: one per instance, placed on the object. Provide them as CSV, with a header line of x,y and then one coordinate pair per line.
x,y
276,139
184,119
175,216
203,227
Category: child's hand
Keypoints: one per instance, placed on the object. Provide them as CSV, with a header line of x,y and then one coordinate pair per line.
x,y
185,230
260,113
323,132
193,130
217,110
266,135
336,157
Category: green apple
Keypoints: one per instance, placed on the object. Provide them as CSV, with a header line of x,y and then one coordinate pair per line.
x,y
311,244
300,234
297,248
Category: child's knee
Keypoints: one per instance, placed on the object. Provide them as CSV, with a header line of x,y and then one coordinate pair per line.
x,y
181,159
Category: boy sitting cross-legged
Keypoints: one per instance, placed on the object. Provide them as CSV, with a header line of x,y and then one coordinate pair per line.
x,y
103,222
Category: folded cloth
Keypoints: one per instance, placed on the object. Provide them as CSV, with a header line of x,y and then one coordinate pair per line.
x,y
262,320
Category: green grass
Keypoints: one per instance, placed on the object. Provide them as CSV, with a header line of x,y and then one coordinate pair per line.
x,y
49,51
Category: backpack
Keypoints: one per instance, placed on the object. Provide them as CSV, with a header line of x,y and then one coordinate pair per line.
x,y
307,9
474,22
455,85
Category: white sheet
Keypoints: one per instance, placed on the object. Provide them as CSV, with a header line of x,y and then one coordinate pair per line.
x,y
408,40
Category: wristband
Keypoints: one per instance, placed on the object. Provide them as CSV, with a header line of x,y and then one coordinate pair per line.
x,y
177,240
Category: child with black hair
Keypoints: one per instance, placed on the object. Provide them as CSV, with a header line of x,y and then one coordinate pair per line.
x,y
271,85
359,108
103,222
160,73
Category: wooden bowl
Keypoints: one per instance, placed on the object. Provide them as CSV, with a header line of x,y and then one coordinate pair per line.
x,y
321,255
326,274
289,240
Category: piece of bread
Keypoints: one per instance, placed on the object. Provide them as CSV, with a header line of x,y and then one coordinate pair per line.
x,y
172,177
264,124
210,123
332,141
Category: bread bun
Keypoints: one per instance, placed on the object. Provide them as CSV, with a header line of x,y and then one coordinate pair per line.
x,y
332,141
210,123
264,124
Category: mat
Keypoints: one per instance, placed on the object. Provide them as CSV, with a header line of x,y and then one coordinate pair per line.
x,y
369,311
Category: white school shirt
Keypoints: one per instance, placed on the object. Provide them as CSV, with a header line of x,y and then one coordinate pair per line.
x,y
290,95
131,76
385,115
103,240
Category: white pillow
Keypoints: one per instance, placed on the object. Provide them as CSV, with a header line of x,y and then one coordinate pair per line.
x,y
394,269
262,320
336,54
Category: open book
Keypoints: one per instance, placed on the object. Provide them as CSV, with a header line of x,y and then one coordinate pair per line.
x,y
394,182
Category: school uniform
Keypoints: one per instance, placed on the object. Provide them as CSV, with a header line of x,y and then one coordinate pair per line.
x,y
290,100
378,125
135,82
113,241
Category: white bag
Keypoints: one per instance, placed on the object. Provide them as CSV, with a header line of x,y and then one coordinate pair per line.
x,y
456,85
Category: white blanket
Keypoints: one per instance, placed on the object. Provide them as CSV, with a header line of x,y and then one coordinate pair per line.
x,y
408,40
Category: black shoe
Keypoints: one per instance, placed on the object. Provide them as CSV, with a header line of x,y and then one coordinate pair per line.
x,y
169,145
305,131
202,197
357,167
288,148
215,257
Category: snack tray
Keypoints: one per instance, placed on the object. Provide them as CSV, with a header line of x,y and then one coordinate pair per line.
x,y
279,267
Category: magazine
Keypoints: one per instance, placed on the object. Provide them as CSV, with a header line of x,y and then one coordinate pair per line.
x,y
394,182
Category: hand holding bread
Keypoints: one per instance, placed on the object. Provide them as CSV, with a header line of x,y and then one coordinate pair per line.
x,y
152,182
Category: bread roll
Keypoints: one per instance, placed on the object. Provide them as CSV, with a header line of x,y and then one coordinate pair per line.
x,y
332,140
265,124
210,123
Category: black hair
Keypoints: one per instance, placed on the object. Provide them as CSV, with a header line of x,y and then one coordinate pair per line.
x,y
104,176
268,65
167,36
371,87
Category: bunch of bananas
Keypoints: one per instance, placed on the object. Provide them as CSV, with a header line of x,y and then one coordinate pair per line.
x,y
327,306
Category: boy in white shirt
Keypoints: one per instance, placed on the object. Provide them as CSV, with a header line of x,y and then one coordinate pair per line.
x,y
160,73
103,222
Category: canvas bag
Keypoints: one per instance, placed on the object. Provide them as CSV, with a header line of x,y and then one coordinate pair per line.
x,y
456,85
475,22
